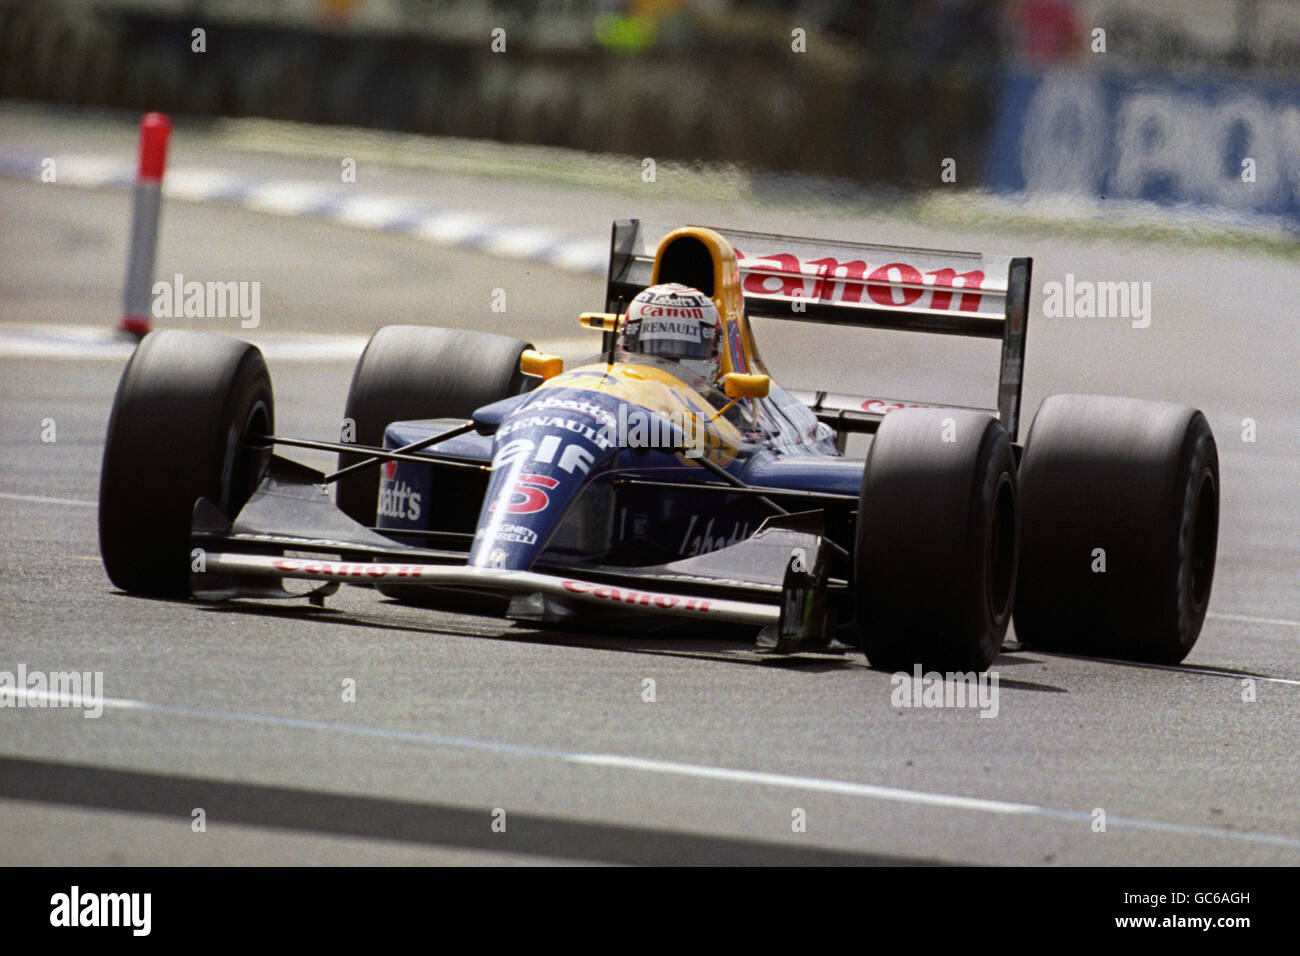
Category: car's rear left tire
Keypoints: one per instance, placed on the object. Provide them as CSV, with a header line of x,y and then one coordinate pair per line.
x,y
936,541
186,407
1121,513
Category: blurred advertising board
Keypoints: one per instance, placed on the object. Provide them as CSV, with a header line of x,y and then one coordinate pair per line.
x,y
1225,145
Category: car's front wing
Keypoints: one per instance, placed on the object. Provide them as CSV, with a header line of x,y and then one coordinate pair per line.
x,y
774,580
495,580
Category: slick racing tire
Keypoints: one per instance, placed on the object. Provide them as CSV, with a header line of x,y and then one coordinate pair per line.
x,y
412,372
934,561
186,408
1120,511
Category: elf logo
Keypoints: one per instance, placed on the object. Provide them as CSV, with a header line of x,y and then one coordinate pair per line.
x,y
399,501
571,457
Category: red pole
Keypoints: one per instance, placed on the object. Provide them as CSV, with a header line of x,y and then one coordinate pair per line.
x,y
137,296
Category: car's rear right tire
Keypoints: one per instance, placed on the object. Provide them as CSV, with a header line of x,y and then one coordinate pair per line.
x,y
935,550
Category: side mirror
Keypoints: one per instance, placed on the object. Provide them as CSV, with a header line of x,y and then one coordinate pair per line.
x,y
737,385
602,321
540,365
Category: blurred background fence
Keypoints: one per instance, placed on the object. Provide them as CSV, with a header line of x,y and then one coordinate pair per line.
x,y
1166,104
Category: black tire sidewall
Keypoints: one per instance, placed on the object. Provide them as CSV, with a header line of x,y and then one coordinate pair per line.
x,y
922,566
412,372
1124,476
1173,639
176,434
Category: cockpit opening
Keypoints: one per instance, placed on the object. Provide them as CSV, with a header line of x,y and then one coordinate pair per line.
x,y
687,260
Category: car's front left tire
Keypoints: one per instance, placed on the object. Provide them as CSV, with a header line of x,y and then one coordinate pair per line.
x,y
414,372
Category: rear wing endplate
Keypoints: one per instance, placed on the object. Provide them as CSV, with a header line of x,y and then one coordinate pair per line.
x,y
862,285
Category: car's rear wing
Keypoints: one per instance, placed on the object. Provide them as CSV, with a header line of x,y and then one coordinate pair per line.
x,y
859,284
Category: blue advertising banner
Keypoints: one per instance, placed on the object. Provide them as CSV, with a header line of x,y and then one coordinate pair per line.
x,y
1222,145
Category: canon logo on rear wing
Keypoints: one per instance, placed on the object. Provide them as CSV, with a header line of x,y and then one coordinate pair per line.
x,y
893,285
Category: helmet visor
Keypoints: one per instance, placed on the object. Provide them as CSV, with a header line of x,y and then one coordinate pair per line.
x,y
670,337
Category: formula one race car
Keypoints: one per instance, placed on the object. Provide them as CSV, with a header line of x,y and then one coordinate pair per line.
x,y
668,477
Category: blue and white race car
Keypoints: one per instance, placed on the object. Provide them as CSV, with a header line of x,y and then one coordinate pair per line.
x,y
667,477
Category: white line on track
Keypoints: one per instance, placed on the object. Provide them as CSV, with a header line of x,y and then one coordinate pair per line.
x,y
1282,622
44,500
641,765
1193,669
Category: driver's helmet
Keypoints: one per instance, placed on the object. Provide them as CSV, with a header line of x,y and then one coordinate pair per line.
x,y
675,322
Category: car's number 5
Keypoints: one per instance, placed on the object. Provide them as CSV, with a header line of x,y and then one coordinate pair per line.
x,y
529,496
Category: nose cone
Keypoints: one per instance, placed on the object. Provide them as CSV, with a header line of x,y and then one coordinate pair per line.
x,y
545,454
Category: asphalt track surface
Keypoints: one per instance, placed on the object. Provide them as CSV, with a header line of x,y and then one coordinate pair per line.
x,y
238,709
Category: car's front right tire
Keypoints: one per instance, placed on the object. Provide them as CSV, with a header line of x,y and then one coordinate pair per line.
x,y
186,419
